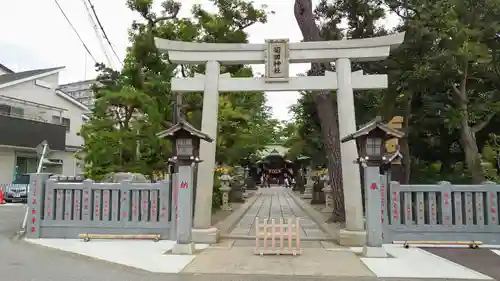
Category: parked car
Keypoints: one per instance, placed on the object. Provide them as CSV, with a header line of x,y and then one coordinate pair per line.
x,y
18,190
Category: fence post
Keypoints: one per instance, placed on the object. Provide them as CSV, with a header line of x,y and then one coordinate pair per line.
x,y
35,204
163,207
384,219
492,203
373,208
445,188
86,195
395,203
173,195
49,200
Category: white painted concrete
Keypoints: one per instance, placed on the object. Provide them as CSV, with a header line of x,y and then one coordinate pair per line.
x,y
496,252
368,49
145,255
417,263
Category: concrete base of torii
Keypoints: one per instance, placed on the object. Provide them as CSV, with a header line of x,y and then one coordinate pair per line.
x,y
374,252
205,236
183,249
352,238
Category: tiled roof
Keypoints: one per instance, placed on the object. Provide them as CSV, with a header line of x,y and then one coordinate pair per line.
x,y
6,69
11,77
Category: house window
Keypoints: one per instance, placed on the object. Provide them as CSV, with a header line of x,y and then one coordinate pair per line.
x,y
62,121
4,109
373,146
17,111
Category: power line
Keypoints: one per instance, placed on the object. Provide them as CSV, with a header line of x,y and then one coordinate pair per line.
x,y
97,34
104,32
76,32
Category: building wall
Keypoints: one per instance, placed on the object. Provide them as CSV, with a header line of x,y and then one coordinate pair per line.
x,y
31,92
7,160
8,163
45,95
81,91
70,165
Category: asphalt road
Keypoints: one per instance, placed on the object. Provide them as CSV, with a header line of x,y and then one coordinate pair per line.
x,y
480,260
21,261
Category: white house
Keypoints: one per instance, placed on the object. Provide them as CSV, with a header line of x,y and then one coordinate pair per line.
x,y
32,110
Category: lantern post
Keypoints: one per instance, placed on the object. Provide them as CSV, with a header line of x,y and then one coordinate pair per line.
x,y
370,140
186,140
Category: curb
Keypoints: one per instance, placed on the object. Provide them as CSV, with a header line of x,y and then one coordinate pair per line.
x,y
225,226
317,217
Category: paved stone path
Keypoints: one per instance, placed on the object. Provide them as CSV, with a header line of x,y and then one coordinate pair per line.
x,y
276,203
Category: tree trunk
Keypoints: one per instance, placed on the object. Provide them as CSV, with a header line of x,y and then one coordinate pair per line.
x,y
326,107
471,151
467,133
405,141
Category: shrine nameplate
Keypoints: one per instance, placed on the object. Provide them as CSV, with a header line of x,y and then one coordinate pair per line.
x,y
277,65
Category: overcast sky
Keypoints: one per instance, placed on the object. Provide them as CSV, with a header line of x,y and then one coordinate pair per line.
x,y
35,34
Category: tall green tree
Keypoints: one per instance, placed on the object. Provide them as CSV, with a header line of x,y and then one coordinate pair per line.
x,y
455,67
134,104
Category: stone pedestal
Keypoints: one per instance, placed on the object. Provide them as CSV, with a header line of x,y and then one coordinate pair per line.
x,y
250,184
374,252
352,238
328,190
308,191
226,206
209,235
374,226
183,249
318,196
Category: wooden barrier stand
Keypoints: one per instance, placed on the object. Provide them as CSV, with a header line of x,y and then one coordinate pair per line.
x,y
273,231
86,237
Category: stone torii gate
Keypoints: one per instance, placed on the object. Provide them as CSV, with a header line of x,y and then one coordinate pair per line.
x,y
277,55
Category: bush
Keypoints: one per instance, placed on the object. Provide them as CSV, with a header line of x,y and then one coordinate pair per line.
x,y
217,194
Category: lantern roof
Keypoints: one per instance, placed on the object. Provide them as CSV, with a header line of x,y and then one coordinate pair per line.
x,y
184,125
389,157
375,124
